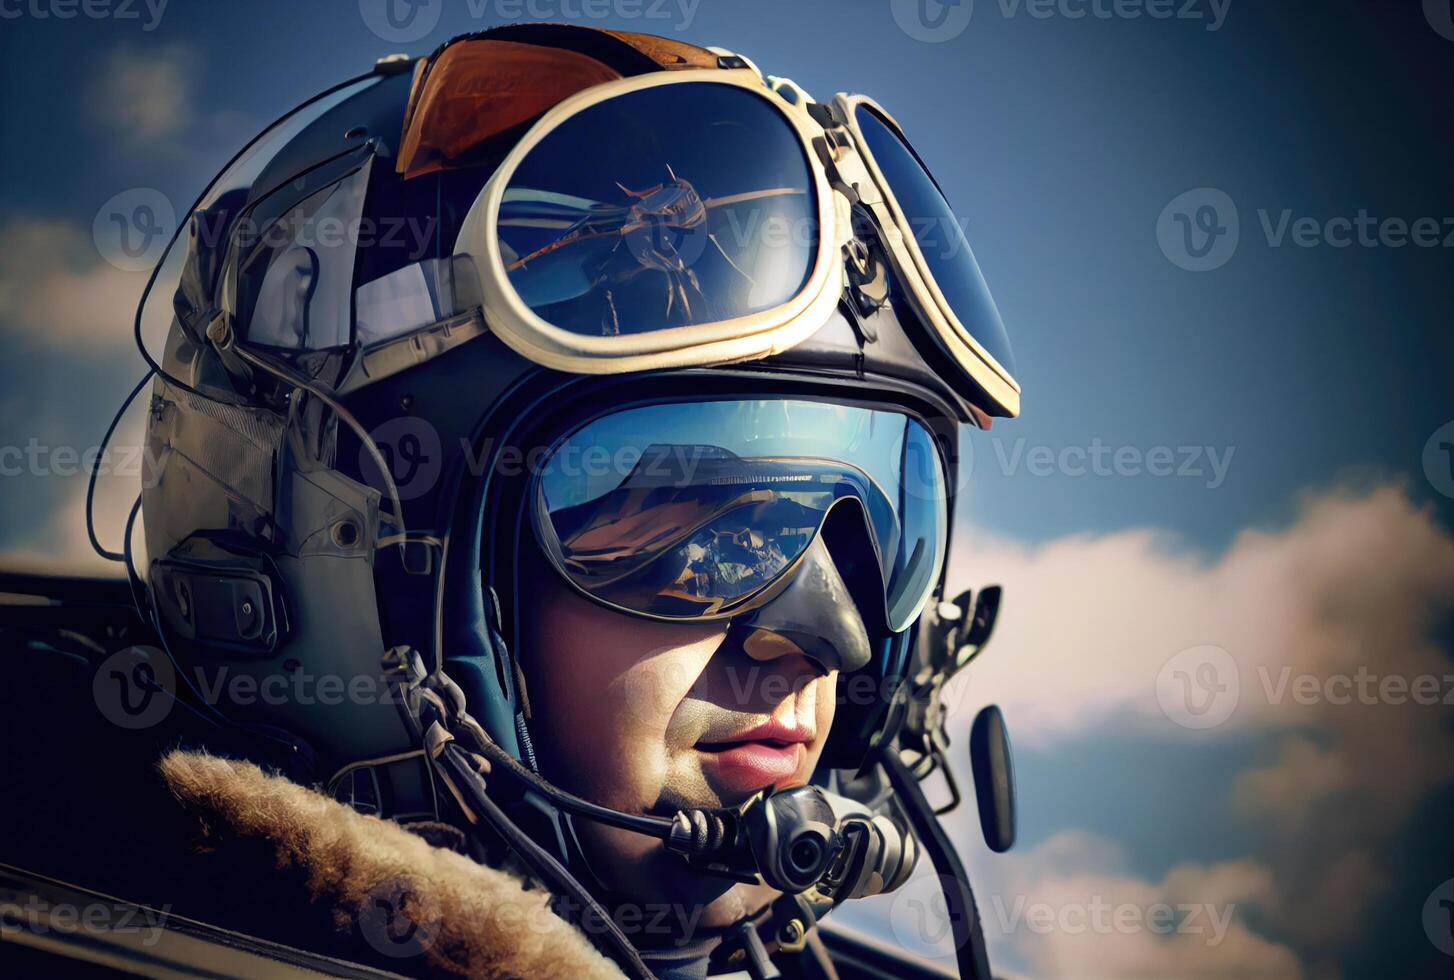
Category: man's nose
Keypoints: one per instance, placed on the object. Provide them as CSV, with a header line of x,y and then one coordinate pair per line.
x,y
814,615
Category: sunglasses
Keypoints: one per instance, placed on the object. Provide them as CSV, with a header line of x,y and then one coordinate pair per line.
x,y
702,510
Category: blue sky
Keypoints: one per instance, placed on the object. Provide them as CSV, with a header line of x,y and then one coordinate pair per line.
x,y
1295,386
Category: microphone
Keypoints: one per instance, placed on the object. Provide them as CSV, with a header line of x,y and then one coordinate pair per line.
x,y
793,840
798,839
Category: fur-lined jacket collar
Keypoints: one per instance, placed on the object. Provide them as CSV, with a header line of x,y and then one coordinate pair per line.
x,y
417,908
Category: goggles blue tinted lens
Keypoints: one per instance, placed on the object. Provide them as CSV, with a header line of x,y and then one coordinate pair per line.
x,y
939,234
665,207
688,511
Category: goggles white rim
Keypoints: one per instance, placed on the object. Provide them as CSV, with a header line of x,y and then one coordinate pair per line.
x,y
741,338
913,268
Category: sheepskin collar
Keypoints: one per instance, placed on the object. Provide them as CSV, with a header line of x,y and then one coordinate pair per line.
x,y
449,915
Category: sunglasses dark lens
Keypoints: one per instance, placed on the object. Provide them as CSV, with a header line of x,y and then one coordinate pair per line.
x,y
697,554
693,528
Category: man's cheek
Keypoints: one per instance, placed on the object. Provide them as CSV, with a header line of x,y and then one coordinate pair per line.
x,y
646,694
825,696
818,698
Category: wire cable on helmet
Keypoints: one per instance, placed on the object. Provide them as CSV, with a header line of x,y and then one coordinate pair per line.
x,y
154,368
344,415
118,556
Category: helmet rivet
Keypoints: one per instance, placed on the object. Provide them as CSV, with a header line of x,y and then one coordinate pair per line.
x,y
246,607
407,402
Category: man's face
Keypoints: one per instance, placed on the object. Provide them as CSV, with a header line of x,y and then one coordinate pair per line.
x,y
646,716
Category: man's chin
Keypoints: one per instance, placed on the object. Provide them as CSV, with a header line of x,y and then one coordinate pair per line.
x,y
649,885
738,902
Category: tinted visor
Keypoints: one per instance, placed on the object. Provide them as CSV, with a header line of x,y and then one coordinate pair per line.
x,y
666,207
938,234
686,511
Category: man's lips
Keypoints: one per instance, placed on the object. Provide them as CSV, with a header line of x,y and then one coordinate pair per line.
x,y
772,730
770,754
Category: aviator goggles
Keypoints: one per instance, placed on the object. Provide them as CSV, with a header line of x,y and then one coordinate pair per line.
x,y
702,510
699,216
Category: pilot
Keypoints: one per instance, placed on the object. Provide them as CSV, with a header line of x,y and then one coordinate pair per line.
x,y
628,490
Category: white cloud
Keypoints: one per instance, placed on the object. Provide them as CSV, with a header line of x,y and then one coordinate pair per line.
x,y
68,551
56,291
59,511
1358,583
1190,924
142,102
1069,908
145,96
1304,775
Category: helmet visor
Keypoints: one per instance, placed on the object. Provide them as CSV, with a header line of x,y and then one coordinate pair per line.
x,y
690,511
665,207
